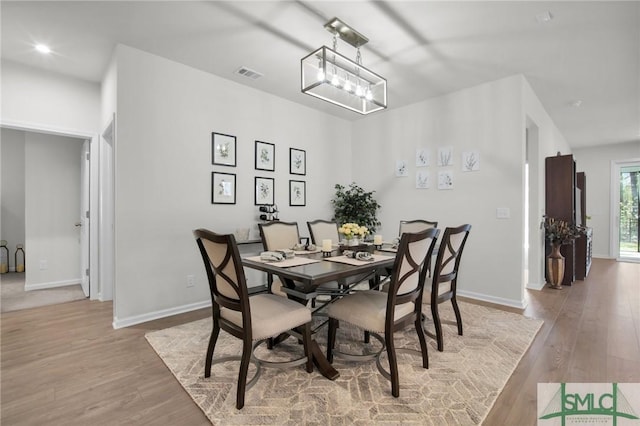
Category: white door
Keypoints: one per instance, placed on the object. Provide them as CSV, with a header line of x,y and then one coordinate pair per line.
x,y
84,217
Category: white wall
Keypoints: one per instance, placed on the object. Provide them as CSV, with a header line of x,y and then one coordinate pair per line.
x,y
12,189
52,207
166,113
490,118
33,97
484,118
596,163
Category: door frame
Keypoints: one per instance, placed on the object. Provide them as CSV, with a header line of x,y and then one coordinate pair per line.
x,y
94,188
614,207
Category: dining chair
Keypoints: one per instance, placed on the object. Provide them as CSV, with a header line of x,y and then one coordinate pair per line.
x,y
278,235
444,281
323,230
415,226
387,312
251,319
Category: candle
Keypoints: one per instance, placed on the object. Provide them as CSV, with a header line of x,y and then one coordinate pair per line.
x,y
326,245
377,240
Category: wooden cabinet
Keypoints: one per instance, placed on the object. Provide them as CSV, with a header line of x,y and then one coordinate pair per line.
x,y
560,203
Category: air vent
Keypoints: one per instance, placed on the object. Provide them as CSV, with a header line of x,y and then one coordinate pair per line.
x,y
249,73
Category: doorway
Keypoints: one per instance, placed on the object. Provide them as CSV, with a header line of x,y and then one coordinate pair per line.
x,y
533,238
628,209
625,208
47,263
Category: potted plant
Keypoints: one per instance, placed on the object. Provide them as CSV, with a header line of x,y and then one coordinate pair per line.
x,y
355,205
559,233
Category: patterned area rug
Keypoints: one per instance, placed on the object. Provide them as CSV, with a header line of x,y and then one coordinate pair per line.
x,y
459,388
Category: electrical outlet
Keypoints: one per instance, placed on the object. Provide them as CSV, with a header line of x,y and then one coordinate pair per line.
x,y
44,264
191,280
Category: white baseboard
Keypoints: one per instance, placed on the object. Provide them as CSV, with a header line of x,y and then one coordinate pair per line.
x,y
602,256
492,299
139,319
52,284
536,286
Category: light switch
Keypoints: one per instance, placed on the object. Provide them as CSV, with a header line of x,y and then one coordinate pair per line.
x,y
503,213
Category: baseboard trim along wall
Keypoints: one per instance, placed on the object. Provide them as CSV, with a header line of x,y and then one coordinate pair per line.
x,y
139,319
536,286
497,300
52,284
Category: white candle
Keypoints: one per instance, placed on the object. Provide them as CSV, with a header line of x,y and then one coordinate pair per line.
x,y
326,245
377,240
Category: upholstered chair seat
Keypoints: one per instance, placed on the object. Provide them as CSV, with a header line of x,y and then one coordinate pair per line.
x,y
270,315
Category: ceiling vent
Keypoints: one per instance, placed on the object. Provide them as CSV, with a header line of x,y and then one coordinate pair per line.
x,y
249,73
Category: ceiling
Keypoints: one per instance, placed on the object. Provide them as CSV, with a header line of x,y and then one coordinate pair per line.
x,y
587,54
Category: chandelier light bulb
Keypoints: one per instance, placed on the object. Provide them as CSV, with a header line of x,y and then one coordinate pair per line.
x,y
369,95
320,74
358,89
347,85
335,80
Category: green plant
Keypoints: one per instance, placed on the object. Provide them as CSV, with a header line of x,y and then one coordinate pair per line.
x,y
355,205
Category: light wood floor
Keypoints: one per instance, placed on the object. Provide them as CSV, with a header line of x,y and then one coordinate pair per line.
x,y
64,364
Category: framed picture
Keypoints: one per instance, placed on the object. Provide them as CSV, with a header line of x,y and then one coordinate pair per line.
x,y
223,148
401,168
297,161
264,191
297,193
265,156
223,188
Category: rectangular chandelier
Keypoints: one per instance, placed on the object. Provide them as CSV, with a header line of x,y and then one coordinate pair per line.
x,y
332,77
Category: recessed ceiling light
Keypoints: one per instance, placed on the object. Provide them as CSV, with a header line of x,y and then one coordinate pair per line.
x,y
43,48
544,18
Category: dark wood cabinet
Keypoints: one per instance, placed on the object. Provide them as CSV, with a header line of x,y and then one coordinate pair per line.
x,y
561,202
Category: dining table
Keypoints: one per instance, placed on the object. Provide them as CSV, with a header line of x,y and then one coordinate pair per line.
x,y
303,274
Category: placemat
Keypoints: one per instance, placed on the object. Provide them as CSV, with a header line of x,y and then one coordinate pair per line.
x,y
356,262
287,263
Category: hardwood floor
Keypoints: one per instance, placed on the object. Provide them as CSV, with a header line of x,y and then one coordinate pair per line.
x,y
64,364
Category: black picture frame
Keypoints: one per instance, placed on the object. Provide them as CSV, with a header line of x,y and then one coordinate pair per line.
x,y
264,192
223,149
297,161
297,193
265,154
223,188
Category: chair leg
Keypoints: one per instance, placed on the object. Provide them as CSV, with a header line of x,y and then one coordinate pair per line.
x,y
331,339
393,364
242,375
212,344
423,341
306,342
438,325
456,310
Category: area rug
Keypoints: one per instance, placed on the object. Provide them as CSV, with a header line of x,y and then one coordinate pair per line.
x,y
459,388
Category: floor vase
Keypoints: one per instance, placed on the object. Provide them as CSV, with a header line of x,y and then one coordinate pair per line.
x,y
555,267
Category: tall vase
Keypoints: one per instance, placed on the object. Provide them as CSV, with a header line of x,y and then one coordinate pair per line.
x,y
555,267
